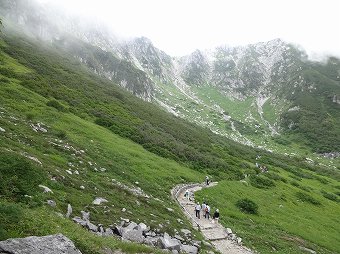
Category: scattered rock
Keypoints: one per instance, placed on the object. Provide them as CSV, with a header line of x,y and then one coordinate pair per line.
x,y
46,189
179,238
108,232
239,240
80,221
69,211
82,187
144,228
98,201
228,231
90,226
124,210
52,244
169,209
51,203
133,235
69,172
169,243
186,231
2,129
85,215
307,250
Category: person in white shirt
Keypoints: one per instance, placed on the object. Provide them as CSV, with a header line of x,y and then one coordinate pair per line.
x,y
198,209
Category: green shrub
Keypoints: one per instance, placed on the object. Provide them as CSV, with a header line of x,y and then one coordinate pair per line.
x,y
247,206
275,177
55,104
305,197
10,216
330,196
261,182
18,177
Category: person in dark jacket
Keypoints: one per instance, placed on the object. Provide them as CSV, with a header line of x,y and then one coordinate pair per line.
x,y
216,215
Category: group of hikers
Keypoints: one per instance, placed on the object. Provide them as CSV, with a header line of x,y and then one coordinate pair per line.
x,y
205,208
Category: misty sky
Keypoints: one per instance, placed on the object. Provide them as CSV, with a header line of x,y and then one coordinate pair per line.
x,y
180,26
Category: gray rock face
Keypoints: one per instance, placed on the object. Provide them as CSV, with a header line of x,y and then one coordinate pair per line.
x,y
52,244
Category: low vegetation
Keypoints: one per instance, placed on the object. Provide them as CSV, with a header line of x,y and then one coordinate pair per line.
x,y
80,135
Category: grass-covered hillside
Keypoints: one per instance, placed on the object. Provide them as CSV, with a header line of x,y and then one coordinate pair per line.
x,y
84,137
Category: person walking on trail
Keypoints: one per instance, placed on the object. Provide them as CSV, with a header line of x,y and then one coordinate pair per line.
x,y
207,180
207,212
204,206
187,194
198,210
216,215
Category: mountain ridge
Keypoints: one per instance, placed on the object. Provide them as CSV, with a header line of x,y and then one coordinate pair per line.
x,y
267,79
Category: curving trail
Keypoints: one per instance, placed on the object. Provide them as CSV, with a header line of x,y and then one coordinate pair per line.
x,y
214,232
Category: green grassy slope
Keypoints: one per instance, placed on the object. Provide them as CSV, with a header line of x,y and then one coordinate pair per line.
x,y
293,211
91,125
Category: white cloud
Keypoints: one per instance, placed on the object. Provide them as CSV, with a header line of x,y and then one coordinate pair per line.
x,y
180,26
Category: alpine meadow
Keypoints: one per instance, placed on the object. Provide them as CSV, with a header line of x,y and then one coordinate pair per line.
x,y
98,133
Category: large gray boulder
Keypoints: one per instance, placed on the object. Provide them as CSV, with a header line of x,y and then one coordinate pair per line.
x,y
189,249
169,243
134,236
52,244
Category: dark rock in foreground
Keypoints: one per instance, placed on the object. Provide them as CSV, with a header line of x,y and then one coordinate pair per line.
x,y
52,244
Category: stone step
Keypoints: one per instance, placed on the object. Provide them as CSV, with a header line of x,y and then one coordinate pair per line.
x,y
214,234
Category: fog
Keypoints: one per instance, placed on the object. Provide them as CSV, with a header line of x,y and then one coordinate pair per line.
x,y
179,27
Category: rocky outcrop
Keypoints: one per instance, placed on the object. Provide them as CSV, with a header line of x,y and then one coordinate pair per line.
x,y
52,244
140,233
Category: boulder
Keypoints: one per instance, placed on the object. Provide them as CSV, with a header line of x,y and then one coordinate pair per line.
x,y
108,232
51,203
131,226
239,240
152,241
69,211
80,221
91,226
228,231
133,236
189,249
143,227
169,243
52,244
186,231
85,215
98,201
46,189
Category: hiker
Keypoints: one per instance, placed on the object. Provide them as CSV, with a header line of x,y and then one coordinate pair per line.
x,y
207,211
204,206
216,215
187,194
207,180
198,209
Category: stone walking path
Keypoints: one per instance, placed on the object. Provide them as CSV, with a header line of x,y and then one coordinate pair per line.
x,y
211,230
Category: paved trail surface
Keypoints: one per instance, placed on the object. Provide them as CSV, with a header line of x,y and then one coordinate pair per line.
x,y
212,231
